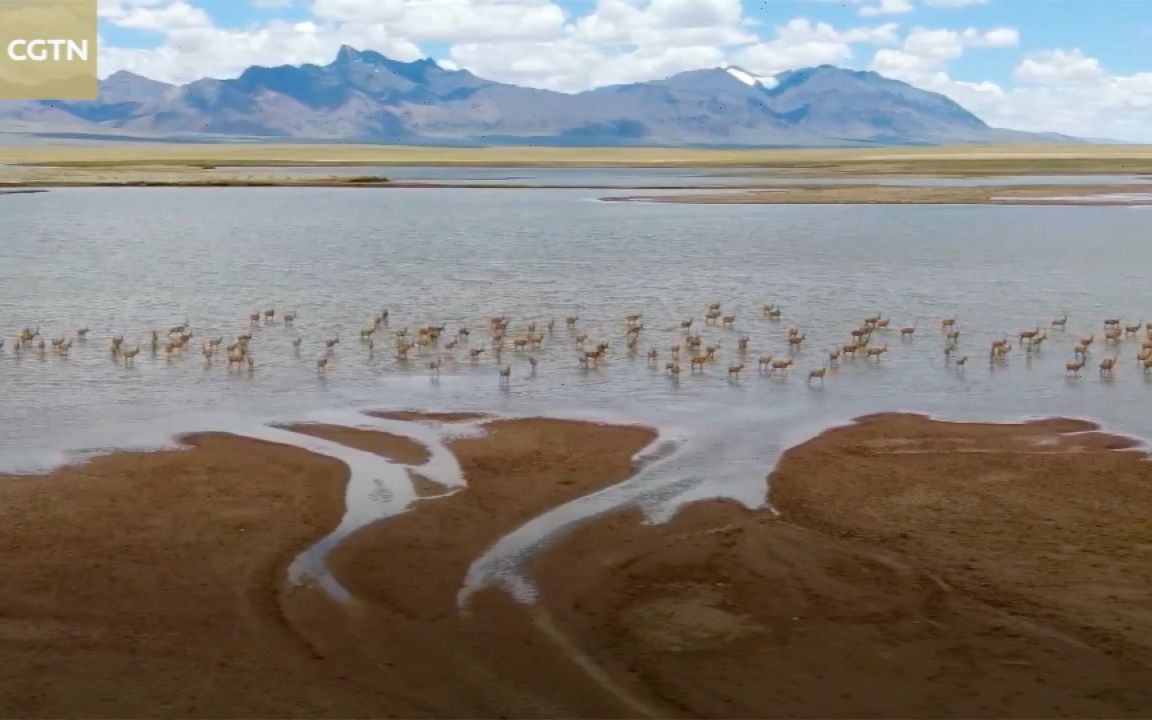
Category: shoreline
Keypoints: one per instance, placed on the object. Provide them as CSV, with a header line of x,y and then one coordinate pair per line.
x,y
745,192
1001,195
722,611
1130,195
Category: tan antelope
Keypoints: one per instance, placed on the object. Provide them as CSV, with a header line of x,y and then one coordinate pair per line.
x,y
506,374
875,352
254,318
734,371
834,357
728,320
475,353
698,361
1060,322
1073,368
1026,335
781,366
289,317
322,364
742,344
907,332
673,369
653,356
775,313
82,333
960,361
765,362
817,375
1132,329
269,316
1107,367
332,342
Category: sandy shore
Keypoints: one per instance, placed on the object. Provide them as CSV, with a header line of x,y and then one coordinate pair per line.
x,y
909,195
916,569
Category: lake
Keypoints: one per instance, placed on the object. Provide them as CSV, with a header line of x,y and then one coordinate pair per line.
x,y
125,261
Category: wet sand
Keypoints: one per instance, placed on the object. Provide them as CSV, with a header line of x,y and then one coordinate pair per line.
x,y
916,569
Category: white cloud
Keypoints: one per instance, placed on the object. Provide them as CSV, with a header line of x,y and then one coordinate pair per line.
x,y
570,65
887,7
448,20
1059,66
801,42
922,57
537,43
191,51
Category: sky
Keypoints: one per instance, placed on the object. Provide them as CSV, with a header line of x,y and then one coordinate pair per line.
x,y
1082,67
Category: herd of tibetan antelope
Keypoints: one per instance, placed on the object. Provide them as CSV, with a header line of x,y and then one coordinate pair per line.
x,y
431,346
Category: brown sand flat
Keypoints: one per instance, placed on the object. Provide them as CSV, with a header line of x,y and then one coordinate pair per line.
x,y
908,576
394,447
404,629
152,585
143,585
1066,523
517,470
918,569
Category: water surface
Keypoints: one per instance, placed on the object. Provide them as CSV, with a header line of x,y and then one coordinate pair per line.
x,y
125,261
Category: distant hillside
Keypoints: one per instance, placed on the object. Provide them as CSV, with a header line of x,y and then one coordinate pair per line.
x,y
365,96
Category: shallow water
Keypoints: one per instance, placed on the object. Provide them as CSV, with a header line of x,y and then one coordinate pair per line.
x,y
125,261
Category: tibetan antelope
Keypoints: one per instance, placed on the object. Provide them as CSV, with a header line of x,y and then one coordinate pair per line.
x,y
781,366
817,375
875,352
1107,366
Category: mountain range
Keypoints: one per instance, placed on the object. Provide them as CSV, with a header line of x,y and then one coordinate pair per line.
x,y
365,96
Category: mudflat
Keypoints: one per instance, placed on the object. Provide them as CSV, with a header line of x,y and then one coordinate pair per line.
x,y
911,568
916,569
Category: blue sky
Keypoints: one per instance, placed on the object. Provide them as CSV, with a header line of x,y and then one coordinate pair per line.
x,y
1083,67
